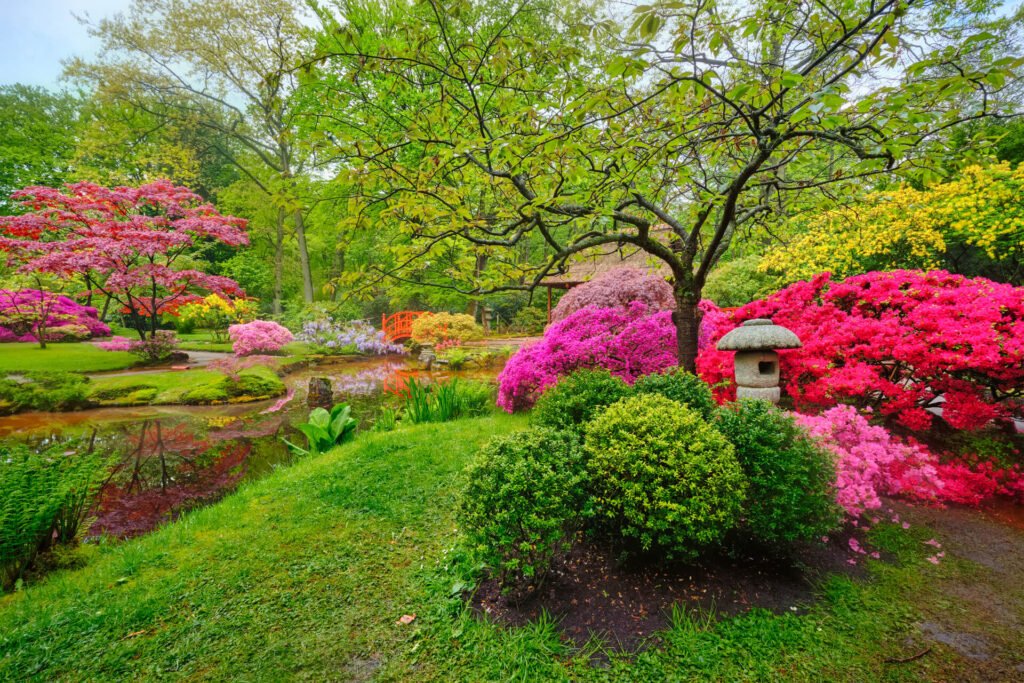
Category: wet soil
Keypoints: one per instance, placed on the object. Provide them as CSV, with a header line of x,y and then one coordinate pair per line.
x,y
592,594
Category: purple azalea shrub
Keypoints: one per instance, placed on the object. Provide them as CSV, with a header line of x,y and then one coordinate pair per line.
x,y
617,289
329,336
628,342
259,336
21,311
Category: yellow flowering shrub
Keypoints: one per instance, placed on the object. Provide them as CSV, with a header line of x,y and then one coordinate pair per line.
x,y
910,228
216,314
435,328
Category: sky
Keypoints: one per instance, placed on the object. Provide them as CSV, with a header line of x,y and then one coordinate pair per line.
x,y
35,35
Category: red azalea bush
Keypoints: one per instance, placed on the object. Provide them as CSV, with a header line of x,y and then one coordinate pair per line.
x,y
616,289
901,342
259,336
24,312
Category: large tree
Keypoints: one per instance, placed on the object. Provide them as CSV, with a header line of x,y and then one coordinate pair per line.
x,y
227,65
495,123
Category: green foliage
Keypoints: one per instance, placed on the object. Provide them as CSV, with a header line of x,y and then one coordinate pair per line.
x,y
529,320
43,390
523,503
325,430
680,386
738,282
577,398
792,481
457,357
663,477
386,421
445,401
44,498
20,357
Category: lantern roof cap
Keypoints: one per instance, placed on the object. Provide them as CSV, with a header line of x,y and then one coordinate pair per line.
x,y
759,334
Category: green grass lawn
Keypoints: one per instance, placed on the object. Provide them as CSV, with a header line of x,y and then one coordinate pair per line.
x,y
185,386
68,357
302,575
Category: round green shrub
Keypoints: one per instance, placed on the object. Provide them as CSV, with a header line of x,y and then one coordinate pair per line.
x,y
524,502
662,476
576,398
792,480
680,386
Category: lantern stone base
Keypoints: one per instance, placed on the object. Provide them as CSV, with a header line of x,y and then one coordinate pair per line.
x,y
772,394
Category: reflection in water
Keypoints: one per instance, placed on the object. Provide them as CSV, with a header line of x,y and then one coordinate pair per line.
x,y
171,459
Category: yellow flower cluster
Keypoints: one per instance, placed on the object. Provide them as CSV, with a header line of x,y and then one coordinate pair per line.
x,y
216,313
910,228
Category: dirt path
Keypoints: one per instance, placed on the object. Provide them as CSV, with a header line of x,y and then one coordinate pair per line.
x,y
974,619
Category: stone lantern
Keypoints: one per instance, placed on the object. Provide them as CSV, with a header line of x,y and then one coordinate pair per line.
x,y
757,363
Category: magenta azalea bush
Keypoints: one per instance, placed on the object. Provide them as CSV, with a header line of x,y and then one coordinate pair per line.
x,y
259,336
116,343
617,289
628,342
23,312
903,343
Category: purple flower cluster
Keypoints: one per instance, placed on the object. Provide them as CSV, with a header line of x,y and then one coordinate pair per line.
x,y
360,336
22,311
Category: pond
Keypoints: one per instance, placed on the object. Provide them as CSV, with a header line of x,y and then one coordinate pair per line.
x,y
169,459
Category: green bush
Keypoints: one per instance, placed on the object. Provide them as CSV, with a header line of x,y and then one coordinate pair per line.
x,y
524,503
435,328
682,387
44,497
43,390
577,398
663,477
738,282
792,481
529,320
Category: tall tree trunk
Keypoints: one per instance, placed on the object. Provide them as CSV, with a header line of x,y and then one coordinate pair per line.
x,y
279,263
307,275
686,318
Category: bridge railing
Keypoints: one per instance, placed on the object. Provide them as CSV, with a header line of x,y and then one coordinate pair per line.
x,y
398,326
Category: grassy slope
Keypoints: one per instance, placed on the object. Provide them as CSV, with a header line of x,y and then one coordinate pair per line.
x,y
70,357
188,386
303,575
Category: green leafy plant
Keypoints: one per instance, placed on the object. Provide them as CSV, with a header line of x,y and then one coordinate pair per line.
x,y
386,421
792,480
44,499
456,357
325,430
577,398
445,401
523,504
680,386
663,478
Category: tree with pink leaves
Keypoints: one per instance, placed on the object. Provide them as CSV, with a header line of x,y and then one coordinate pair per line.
x,y
617,288
130,244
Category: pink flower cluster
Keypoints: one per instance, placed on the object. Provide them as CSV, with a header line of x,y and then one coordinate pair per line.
x,y
626,341
116,343
259,336
904,342
617,289
869,461
22,312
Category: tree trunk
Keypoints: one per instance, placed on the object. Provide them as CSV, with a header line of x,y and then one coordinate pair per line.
x,y
278,263
687,323
307,275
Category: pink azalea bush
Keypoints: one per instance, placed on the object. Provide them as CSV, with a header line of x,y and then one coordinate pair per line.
x,y
901,342
23,312
871,462
116,343
628,342
259,336
616,289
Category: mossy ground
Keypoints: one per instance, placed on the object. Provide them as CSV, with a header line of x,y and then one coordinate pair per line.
x,y
189,387
305,574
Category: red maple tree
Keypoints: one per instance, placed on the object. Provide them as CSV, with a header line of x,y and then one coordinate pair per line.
x,y
131,244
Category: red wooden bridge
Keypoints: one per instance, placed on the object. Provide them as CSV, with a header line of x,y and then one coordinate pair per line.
x,y
398,326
